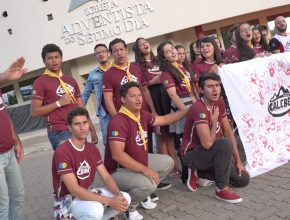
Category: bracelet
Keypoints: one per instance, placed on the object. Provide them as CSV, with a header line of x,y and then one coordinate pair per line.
x,y
58,105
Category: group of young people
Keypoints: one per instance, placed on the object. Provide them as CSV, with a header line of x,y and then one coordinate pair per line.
x,y
181,102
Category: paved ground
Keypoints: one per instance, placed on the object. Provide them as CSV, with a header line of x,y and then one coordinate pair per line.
x,y
267,196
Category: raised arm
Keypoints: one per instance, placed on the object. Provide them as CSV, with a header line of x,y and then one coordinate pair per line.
x,y
15,70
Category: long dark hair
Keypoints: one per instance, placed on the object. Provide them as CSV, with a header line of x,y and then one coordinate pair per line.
x,y
140,57
191,52
244,51
217,51
165,65
263,42
185,63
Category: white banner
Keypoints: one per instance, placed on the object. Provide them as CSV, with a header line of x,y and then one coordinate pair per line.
x,y
258,93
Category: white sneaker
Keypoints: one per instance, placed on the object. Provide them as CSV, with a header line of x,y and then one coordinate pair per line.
x,y
204,182
135,215
148,204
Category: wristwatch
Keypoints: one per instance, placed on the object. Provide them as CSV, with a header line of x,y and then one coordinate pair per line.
x,y
58,104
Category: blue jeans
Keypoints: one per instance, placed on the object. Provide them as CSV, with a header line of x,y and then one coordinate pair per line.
x,y
104,122
58,137
11,188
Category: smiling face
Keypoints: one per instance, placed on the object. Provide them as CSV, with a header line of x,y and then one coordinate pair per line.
x,y
170,53
144,46
246,32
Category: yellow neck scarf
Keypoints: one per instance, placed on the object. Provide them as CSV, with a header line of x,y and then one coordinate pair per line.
x,y
184,76
125,111
62,83
103,68
126,70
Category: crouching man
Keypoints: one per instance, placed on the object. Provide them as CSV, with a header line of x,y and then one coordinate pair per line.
x,y
209,144
126,158
74,165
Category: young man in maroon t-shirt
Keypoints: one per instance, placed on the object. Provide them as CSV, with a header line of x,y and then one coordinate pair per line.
x,y
54,95
74,165
126,153
209,144
11,152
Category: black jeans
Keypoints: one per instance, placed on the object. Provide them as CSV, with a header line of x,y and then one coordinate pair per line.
x,y
216,164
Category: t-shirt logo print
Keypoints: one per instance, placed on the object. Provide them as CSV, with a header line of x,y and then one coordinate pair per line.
x,y
2,106
60,91
84,170
139,140
125,79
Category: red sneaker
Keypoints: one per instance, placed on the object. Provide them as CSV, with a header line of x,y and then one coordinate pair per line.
x,y
229,196
191,180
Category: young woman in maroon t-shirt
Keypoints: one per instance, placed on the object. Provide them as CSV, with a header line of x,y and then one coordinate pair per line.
x,y
151,72
260,44
178,83
182,58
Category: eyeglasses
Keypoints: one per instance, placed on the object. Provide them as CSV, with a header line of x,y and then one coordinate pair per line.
x,y
245,29
101,52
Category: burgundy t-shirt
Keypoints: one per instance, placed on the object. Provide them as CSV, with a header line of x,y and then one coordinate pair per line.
x,y
230,56
200,69
83,163
6,141
122,128
169,82
113,78
48,90
200,114
150,71
258,50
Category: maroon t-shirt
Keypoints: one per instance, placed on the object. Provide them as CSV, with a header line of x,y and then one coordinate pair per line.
x,y
258,50
169,82
6,141
83,163
122,128
150,71
200,69
113,78
200,114
48,90
230,56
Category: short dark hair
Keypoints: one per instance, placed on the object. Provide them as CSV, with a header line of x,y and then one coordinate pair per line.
x,y
115,41
125,87
206,76
78,111
100,45
49,48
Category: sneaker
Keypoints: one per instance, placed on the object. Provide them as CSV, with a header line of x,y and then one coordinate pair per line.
x,y
134,215
148,204
191,180
162,186
154,197
227,195
204,182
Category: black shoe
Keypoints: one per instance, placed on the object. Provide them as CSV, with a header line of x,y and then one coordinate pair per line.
x,y
154,197
162,186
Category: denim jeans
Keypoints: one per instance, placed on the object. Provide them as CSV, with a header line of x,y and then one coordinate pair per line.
x,y
58,137
11,188
104,122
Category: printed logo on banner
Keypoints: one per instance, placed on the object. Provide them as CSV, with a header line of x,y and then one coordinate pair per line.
x,y
279,104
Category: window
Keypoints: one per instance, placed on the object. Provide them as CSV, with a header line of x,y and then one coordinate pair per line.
x,y
49,17
9,95
26,88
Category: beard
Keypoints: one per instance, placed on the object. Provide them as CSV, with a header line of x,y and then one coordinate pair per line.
x,y
282,30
